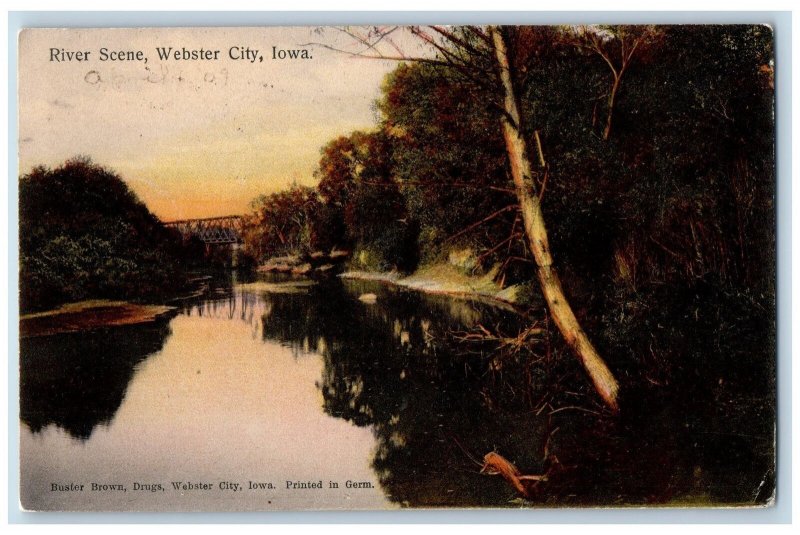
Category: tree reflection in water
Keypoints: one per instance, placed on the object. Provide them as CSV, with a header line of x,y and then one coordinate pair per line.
x,y
78,381
393,366
437,406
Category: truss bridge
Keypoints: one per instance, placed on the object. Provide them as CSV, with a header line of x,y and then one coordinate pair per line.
x,y
211,230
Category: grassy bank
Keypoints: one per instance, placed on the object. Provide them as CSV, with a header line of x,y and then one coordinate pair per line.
x,y
446,279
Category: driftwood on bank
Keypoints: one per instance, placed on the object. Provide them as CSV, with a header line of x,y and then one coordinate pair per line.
x,y
496,464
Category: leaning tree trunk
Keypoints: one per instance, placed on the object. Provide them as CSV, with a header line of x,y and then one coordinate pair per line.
x,y
536,235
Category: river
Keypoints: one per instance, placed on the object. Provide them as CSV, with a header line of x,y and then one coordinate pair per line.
x,y
251,397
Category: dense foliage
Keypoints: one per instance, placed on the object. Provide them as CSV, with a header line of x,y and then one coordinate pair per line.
x,y
281,223
366,209
661,220
84,234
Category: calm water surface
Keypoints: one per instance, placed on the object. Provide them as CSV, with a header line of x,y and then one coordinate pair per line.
x,y
268,384
280,381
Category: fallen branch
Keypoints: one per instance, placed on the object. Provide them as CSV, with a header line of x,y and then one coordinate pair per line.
x,y
496,464
513,343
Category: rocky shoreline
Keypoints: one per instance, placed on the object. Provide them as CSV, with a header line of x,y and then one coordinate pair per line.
x,y
316,263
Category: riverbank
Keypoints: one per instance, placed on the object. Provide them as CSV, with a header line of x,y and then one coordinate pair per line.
x,y
446,279
89,315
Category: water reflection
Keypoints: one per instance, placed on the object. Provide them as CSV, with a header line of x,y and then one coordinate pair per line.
x,y
436,408
391,366
78,381
282,378
213,404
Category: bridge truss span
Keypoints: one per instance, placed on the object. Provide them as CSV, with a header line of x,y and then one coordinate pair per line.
x,y
211,230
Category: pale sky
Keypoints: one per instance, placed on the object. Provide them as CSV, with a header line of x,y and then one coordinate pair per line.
x,y
194,138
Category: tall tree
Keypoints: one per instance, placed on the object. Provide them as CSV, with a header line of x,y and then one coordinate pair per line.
x,y
536,233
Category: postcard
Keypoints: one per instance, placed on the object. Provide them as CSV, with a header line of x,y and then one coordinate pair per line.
x,y
397,267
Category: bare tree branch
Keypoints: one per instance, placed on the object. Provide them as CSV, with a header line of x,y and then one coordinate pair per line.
x,y
438,184
378,57
482,221
450,36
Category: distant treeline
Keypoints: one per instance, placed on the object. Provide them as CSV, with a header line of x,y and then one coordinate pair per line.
x,y
84,234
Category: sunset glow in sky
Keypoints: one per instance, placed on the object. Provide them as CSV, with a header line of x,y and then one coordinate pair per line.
x,y
193,138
